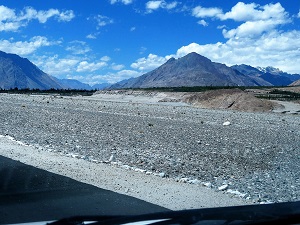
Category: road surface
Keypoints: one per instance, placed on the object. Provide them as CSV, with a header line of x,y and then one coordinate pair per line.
x,y
28,194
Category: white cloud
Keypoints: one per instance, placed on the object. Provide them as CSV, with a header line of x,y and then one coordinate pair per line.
x,y
71,65
221,26
242,12
66,16
201,12
254,12
12,21
117,66
149,63
6,13
298,15
124,74
255,19
42,16
125,2
91,36
250,29
171,5
203,23
271,49
85,66
142,50
105,58
154,5
25,47
110,77
78,47
132,28
102,20
56,66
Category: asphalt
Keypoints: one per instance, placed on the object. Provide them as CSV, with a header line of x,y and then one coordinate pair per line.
x,y
28,194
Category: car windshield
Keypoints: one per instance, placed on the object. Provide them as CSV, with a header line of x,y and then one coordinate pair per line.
x,y
126,107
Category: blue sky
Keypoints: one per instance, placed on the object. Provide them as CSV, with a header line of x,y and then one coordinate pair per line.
x,y
111,40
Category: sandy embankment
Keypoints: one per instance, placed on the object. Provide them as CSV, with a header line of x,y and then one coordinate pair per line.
x,y
161,191
232,99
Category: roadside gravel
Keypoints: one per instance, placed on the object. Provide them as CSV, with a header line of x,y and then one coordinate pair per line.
x,y
159,191
255,157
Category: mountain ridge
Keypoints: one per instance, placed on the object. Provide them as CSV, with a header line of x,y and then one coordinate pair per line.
x,y
18,72
274,76
192,70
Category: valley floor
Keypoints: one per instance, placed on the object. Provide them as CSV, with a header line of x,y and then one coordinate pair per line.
x,y
158,151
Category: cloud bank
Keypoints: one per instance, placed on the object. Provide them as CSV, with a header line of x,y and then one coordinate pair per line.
x,y
12,21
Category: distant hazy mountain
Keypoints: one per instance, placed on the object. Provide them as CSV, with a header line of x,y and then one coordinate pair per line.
x,y
273,76
190,70
18,72
100,86
74,84
123,83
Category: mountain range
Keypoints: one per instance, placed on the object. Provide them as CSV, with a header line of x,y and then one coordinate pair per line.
x,y
270,74
190,70
196,70
18,72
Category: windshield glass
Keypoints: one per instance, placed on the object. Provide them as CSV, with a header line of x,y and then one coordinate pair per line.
x,y
126,107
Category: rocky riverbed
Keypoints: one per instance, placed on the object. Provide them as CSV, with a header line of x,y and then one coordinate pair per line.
x,y
253,155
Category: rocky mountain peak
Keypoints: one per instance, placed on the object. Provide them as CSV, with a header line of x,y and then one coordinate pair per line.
x,y
194,59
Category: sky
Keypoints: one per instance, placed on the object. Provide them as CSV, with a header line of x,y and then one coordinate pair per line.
x,y
106,41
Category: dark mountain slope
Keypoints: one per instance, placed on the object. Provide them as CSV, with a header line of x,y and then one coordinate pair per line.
x,y
17,72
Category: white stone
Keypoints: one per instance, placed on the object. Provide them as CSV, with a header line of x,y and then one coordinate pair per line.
x,y
162,174
227,123
112,158
94,161
140,170
75,156
207,184
223,187
126,167
236,193
195,181
183,180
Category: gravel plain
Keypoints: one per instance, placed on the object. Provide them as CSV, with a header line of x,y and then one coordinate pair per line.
x,y
256,157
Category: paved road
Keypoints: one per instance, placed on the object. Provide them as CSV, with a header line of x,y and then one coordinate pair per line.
x,y
29,194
